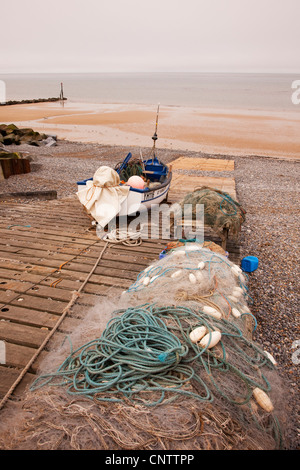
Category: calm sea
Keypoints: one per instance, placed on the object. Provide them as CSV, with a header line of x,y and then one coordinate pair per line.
x,y
207,90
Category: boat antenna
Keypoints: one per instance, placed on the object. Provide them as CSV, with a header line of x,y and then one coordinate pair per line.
x,y
154,137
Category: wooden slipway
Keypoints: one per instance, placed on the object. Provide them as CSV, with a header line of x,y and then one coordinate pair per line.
x,y
47,250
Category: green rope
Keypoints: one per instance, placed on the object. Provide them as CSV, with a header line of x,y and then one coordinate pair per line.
x,y
138,351
148,349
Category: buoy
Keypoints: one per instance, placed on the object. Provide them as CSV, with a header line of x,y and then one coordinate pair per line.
x,y
153,279
210,339
271,358
236,313
176,274
201,265
263,399
235,266
198,333
146,281
179,253
212,311
233,298
245,309
148,269
238,289
192,278
199,276
136,182
236,270
236,293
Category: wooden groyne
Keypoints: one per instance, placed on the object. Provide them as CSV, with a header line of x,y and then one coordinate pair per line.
x,y
38,100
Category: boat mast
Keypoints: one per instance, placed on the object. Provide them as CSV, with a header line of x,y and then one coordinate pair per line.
x,y
155,134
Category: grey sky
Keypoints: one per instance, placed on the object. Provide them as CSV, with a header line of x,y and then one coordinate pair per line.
x,y
152,35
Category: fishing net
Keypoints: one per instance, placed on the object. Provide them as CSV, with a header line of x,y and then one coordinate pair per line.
x,y
221,211
132,168
145,383
194,273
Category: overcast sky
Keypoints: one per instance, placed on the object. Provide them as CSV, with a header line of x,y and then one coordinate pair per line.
x,y
150,35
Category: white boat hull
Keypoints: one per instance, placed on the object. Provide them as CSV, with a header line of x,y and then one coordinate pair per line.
x,y
138,201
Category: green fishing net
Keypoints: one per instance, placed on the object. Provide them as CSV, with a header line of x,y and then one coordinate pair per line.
x,y
133,167
221,211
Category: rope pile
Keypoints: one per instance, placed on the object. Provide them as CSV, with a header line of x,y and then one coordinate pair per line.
x,y
146,355
136,352
126,237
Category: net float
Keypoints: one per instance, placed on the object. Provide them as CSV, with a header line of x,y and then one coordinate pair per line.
x,y
176,274
148,268
263,399
179,253
201,265
236,270
238,289
245,309
146,281
233,298
210,339
236,293
199,276
212,311
198,334
192,278
236,313
271,358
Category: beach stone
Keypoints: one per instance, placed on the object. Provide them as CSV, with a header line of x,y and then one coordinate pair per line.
x,y
11,128
34,142
8,139
50,142
53,136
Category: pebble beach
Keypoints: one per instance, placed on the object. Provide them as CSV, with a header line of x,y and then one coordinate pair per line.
x,y
266,187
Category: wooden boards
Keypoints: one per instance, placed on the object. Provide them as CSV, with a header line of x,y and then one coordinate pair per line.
x,y
202,164
183,184
46,252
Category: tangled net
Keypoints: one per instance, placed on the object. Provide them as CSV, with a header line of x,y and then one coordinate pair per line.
x,y
133,167
220,209
144,383
194,273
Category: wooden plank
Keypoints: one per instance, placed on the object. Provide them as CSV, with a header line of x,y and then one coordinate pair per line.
x,y
22,334
27,316
18,355
8,376
183,184
39,303
202,164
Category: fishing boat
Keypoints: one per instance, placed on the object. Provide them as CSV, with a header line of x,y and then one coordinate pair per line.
x,y
154,175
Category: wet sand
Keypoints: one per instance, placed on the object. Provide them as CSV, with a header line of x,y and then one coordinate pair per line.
x,y
209,131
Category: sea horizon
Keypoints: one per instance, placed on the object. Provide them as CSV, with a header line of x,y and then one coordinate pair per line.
x,y
227,90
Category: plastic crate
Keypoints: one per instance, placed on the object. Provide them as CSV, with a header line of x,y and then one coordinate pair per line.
x,y
249,264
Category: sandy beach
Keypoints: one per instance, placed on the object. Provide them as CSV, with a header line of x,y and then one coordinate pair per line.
x,y
211,131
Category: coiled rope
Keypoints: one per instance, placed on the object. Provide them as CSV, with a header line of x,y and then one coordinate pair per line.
x,y
138,352
147,349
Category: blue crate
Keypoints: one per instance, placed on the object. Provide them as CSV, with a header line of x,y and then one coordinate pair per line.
x,y
249,264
